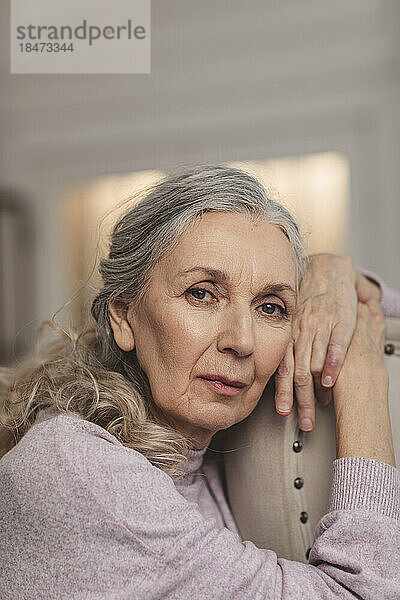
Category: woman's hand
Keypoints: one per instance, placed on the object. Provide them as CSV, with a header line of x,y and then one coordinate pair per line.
x,y
322,331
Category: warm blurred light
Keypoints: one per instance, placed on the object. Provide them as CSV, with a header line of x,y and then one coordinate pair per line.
x,y
315,188
90,211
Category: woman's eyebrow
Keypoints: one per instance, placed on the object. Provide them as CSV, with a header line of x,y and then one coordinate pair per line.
x,y
267,290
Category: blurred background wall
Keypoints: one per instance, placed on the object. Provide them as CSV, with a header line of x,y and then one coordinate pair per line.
x,y
259,82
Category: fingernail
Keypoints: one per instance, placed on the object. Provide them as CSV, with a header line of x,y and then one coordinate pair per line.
x,y
306,424
327,380
284,407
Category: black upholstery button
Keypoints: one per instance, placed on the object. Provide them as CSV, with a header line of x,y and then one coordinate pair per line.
x,y
298,482
297,446
308,553
389,348
303,517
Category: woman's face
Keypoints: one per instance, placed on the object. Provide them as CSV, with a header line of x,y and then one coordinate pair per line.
x,y
219,305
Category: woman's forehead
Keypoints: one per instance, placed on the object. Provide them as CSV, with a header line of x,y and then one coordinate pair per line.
x,y
231,246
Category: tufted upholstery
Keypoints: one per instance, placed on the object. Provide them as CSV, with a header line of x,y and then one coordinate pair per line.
x,y
262,466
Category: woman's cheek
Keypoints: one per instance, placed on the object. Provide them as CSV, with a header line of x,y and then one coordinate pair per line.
x,y
198,329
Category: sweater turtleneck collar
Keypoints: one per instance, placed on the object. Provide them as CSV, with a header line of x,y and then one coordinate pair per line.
x,y
195,459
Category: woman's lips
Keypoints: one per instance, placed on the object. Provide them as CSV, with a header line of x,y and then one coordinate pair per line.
x,y
222,388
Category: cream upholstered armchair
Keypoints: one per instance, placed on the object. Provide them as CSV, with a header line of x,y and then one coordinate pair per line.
x,y
278,477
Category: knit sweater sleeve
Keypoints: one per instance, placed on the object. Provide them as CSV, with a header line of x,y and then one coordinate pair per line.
x,y
84,517
390,298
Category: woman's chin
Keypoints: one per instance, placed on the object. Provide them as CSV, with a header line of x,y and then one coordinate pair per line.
x,y
218,417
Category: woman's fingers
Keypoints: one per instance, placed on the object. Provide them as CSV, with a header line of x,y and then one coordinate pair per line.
x,y
319,350
323,394
337,348
303,381
284,382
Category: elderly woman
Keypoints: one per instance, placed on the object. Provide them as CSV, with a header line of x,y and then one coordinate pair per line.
x,y
102,494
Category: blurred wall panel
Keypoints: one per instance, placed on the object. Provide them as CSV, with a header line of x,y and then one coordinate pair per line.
x,y
17,293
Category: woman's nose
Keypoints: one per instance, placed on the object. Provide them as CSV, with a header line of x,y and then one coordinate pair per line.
x,y
236,332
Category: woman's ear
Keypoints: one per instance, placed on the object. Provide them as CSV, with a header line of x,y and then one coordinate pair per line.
x,y
123,332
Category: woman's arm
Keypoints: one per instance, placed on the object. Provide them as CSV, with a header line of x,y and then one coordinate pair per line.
x,y
360,393
83,516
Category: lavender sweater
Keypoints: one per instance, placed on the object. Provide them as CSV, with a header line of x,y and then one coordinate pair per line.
x,y
84,517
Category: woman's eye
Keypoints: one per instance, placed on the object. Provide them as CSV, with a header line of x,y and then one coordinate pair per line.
x,y
269,308
199,293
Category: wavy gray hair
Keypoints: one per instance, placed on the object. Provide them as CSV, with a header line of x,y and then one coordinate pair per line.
x,y
85,373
